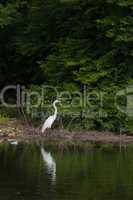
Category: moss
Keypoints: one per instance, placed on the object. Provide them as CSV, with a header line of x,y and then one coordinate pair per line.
x,y
3,119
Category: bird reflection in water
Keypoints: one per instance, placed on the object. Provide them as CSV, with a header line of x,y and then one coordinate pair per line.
x,y
50,164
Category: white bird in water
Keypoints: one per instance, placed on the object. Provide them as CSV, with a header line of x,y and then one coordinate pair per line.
x,y
50,163
50,120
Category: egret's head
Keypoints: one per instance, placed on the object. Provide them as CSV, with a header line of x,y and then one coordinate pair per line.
x,y
57,101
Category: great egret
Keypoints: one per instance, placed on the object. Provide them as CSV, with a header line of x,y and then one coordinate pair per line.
x,y
48,123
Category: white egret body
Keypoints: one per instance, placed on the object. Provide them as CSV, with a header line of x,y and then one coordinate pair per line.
x,y
48,123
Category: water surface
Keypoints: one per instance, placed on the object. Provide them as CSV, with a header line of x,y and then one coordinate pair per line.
x,y
30,172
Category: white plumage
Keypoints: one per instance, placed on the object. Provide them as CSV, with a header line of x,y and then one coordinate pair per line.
x,y
48,123
50,120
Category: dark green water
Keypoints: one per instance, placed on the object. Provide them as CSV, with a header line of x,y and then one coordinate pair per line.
x,y
25,174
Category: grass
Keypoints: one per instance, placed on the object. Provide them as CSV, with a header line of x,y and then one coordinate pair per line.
x,y
3,119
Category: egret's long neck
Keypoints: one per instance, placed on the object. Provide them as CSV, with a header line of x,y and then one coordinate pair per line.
x,y
55,108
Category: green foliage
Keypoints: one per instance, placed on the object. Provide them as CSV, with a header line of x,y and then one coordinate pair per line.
x,y
8,14
69,45
3,117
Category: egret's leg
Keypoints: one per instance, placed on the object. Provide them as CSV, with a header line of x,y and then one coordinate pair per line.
x,y
46,132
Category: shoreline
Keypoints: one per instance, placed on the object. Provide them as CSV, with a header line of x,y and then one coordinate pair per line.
x,y
15,129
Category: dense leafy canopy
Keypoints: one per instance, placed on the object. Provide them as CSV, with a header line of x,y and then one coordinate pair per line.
x,y
71,44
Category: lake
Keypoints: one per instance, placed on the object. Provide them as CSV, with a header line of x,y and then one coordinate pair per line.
x,y
30,172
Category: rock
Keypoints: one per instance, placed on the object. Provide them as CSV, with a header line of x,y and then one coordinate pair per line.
x,y
2,134
13,141
1,141
12,135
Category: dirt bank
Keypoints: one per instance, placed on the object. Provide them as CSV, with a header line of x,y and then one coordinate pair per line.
x,y
15,129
